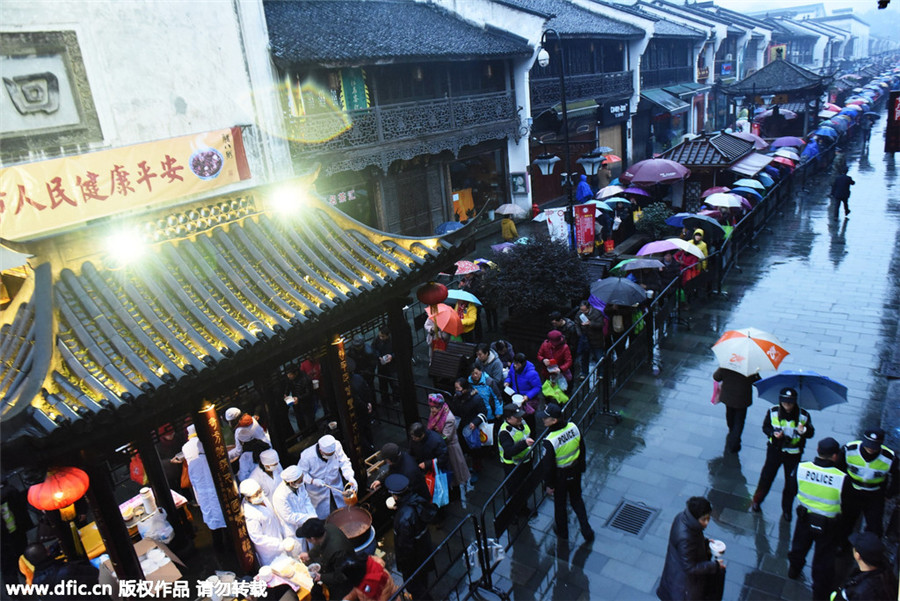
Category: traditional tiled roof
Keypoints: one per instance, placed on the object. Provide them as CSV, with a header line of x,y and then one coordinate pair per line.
x,y
88,341
353,33
572,20
795,29
777,77
709,150
667,28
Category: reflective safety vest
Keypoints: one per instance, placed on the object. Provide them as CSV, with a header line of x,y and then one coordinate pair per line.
x,y
516,435
566,445
867,475
790,440
819,488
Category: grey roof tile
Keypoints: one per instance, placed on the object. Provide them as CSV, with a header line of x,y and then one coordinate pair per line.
x,y
570,19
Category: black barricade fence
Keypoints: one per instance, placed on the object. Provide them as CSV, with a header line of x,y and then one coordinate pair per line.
x,y
504,516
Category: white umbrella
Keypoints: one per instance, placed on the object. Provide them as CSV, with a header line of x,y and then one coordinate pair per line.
x,y
722,199
748,351
788,154
609,191
511,209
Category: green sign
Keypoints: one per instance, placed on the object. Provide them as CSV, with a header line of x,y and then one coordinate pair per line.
x,y
354,94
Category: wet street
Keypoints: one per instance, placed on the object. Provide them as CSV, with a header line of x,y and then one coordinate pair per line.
x,y
830,290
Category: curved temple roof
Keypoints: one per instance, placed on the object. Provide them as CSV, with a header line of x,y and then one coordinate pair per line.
x,y
87,339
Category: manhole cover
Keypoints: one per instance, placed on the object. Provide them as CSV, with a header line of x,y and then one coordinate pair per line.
x,y
632,517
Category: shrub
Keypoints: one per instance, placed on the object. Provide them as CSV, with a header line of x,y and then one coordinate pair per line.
x,y
653,222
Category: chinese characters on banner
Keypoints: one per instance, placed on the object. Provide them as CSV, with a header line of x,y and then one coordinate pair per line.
x,y
37,198
584,228
892,130
347,416
556,223
341,197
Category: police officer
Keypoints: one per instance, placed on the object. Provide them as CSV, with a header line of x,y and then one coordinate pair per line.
x,y
872,468
872,578
564,460
820,489
788,427
514,438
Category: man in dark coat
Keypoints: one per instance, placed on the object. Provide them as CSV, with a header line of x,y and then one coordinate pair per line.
x,y
328,548
425,445
300,396
736,393
402,463
593,339
412,540
689,571
872,578
364,357
840,192
383,346
51,571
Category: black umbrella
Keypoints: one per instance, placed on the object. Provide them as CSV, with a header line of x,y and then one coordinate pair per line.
x,y
618,291
712,230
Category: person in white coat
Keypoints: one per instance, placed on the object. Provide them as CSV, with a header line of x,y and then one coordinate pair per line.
x,y
291,501
326,463
202,483
268,472
252,450
265,529
246,424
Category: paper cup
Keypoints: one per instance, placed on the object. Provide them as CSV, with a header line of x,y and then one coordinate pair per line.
x,y
314,568
717,547
265,573
315,384
518,399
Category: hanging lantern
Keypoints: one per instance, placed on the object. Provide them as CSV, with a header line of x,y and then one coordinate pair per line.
x,y
61,488
432,293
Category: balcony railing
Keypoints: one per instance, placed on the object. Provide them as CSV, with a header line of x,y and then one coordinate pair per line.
x,y
409,121
663,77
545,92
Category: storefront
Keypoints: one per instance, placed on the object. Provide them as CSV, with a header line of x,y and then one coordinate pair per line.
x,y
611,130
664,121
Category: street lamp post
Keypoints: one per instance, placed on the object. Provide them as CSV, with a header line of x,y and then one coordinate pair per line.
x,y
543,59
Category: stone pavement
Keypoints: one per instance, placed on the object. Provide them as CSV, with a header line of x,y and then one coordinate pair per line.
x,y
830,290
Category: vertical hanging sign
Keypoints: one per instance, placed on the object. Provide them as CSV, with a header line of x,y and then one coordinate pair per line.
x,y
556,223
584,228
354,93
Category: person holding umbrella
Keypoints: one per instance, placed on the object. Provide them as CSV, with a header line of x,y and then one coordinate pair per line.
x,y
787,427
736,393
508,228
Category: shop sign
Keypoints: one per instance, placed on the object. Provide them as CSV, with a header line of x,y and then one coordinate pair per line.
x,y
37,198
584,228
613,112
727,69
892,131
556,224
354,93
339,198
702,74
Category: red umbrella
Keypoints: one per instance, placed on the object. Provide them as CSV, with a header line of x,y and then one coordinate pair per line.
x,y
828,106
611,158
61,488
715,190
445,318
654,171
784,161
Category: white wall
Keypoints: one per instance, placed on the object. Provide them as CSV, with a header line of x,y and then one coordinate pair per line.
x,y
159,69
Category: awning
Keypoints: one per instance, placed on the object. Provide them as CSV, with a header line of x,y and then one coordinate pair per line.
x,y
664,100
581,108
697,88
751,164
686,89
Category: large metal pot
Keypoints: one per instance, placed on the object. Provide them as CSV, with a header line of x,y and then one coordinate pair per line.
x,y
355,522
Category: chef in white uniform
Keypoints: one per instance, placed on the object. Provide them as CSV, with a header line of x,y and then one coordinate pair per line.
x,y
265,529
268,472
291,501
326,463
202,481
246,423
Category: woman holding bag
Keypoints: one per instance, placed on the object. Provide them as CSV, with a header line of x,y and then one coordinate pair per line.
x,y
442,421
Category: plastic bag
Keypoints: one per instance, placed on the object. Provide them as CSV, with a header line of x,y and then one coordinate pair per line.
x,y
481,436
441,493
157,527
717,387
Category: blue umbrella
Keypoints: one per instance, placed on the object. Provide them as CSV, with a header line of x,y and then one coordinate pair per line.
x,y
744,191
766,180
447,227
615,182
814,391
772,171
826,131
462,295
849,112
677,220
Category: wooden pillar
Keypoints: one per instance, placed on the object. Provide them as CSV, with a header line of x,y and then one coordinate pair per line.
x,y
403,360
110,523
209,431
348,420
156,476
278,418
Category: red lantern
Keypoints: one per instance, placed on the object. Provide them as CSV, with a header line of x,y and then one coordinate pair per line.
x,y
61,488
432,293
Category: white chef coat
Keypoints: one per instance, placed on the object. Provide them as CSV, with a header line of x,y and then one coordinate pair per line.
x,y
202,483
328,470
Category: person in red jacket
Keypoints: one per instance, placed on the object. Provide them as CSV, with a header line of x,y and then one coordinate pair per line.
x,y
555,348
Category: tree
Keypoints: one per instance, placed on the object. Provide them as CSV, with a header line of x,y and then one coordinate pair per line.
x,y
653,222
539,276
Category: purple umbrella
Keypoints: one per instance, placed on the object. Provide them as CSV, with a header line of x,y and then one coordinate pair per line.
x,y
758,143
636,191
788,141
654,171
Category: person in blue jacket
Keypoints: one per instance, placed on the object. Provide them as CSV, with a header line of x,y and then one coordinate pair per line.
x,y
523,378
583,192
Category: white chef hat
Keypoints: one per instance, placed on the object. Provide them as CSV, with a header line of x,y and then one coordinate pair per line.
x,y
232,413
191,430
250,487
268,457
243,434
292,473
327,443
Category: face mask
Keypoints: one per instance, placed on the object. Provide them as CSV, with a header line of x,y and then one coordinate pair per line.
x,y
256,499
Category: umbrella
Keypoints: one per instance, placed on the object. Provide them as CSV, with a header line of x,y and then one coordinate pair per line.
x,y
609,191
511,209
668,244
447,227
615,199
655,171
856,101
636,191
784,152
714,213
830,106
611,158
772,171
445,318
464,267
748,351
540,217
677,220
788,141
814,391
749,183
826,131
502,247
767,181
603,149
712,229
635,264
742,190
618,291
784,161
722,199
758,143
872,115
462,295
783,112
715,190
600,205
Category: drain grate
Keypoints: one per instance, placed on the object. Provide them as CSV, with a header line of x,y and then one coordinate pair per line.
x,y
632,517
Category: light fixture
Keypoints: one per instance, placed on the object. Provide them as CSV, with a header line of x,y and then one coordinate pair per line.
x,y
739,101
546,162
768,98
543,57
591,161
